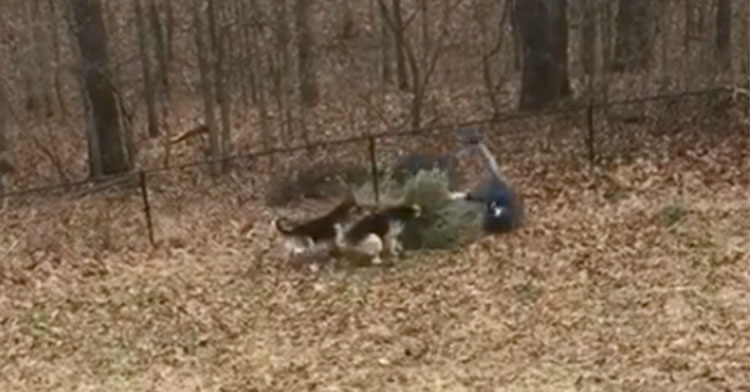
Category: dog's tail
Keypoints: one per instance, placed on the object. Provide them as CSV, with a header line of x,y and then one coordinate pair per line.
x,y
281,227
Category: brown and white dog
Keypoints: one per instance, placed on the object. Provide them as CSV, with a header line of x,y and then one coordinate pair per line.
x,y
319,231
380,229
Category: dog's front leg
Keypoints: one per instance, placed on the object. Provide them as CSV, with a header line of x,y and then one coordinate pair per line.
x,y
399,245
394,246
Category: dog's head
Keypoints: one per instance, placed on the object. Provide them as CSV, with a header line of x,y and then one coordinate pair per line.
x,y
406,212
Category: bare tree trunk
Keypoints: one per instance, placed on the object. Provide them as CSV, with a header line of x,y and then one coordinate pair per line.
x,y
162,55
744,42
218,41
170,30
257,87
4,115
55,31
108,135
35,66
283,74
588,54
607,29
489,52
543,28
516,35
149,89
723,33
242,58
423,10
209,100
92,145
560,45
267,136
162,34
689,29
347,20
252,64
6,166
386,45
308,85
745,64
398,31
116,57
633,36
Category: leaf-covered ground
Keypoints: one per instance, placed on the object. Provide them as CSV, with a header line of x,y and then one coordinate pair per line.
x,y
633,277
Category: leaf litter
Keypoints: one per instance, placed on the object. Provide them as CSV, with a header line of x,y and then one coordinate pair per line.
x,y
594,293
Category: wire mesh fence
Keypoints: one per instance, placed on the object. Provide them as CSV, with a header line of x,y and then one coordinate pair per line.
x,y
161,205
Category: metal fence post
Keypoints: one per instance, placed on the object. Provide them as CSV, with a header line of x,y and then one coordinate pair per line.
x,y
147,208
590,139
374,169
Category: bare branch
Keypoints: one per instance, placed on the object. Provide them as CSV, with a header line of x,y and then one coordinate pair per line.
x,y
53,158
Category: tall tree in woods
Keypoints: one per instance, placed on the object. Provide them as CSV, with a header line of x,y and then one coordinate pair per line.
x,y
205,62
35,68
149,87
162,43
218,32
5,165
588,54
516,38
308,85
398,32
633,35
723,33
386,46
281,67
106,136
543,30
56,42
395,26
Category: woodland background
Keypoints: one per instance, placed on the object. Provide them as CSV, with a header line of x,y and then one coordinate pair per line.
x,y
271,74
630,275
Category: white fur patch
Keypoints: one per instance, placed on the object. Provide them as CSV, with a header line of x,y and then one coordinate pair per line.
x,y
370,246
458,195
497,211
297,245
391,239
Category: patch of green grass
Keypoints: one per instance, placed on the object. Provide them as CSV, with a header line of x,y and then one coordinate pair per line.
x,y
673,214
